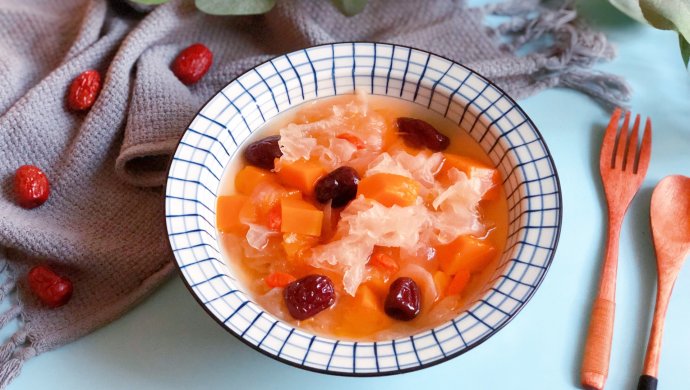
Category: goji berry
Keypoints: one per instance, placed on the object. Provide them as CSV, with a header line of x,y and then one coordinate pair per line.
x,y
278,279
192,63
52,289
31,186
84,90
384,262
353,139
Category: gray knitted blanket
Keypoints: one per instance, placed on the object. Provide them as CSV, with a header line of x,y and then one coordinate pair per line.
x,y
103,226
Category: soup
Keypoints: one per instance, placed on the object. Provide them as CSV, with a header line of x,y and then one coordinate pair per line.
x,y
362,217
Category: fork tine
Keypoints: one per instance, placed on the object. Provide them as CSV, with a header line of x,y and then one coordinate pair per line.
x,y
632,152
607,145
619,156
645,149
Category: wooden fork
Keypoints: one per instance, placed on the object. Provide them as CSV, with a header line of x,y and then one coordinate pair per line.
x,y
622,167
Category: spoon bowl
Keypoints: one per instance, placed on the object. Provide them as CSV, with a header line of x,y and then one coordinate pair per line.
x,y
670,220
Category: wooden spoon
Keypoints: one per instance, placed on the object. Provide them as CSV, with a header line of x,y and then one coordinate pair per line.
x,y
670,218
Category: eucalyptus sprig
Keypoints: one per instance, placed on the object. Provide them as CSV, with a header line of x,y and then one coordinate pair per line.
x,y
662,14
255,7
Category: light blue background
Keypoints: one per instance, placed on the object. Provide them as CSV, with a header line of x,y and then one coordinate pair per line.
x,y
169,342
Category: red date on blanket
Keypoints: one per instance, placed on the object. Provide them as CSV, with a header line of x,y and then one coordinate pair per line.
x,y
51,289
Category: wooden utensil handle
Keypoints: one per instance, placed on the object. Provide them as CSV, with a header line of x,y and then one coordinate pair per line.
x,y
595,364
663,296
647,382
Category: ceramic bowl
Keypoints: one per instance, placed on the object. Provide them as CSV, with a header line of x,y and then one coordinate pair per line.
x,y
490,116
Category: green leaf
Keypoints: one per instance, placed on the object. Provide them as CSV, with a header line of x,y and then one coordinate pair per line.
x,y
670,15
662,14
350,7
630,8
235,7
684,49
149,2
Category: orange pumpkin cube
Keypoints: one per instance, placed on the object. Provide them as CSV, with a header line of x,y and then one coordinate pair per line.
x,y
296,244
458,283
467,252
367,298
249,177
228,212
389,189
301,174
299,216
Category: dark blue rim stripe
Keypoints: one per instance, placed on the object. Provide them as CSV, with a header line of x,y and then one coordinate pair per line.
x,y
196,262
287,93
414,348
232,103
354,357
313,72
258,107
189,129
243,304
299,78
202,150
440,347
267,333
200,184
191,215
280,351
190,200
419,82
330,359
455,92
433,87
407,67
196,246
395,354
222,296
252,323
311,342
268,87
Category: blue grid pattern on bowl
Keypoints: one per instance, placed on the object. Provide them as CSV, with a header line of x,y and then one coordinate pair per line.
x,y
492,118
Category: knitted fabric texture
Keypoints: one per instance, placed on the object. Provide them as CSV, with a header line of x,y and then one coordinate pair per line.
x,y
103,226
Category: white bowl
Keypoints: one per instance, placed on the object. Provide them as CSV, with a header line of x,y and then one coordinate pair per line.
x,y
490,116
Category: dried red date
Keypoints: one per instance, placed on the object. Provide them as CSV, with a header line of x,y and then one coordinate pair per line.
x,y
53,290
31,186
403,300
192,63
84,90
418,134
263,152
309,296
339,186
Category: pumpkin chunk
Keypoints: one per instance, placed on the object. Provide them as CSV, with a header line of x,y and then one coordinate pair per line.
x,y
389,189
301,217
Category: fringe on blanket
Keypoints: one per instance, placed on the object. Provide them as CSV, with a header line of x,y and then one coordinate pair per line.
x,y
565,60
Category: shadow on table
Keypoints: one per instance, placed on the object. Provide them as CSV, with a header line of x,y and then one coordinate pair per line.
x,y
644,261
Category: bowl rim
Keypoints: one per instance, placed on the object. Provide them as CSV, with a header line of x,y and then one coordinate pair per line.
x,y
420,366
